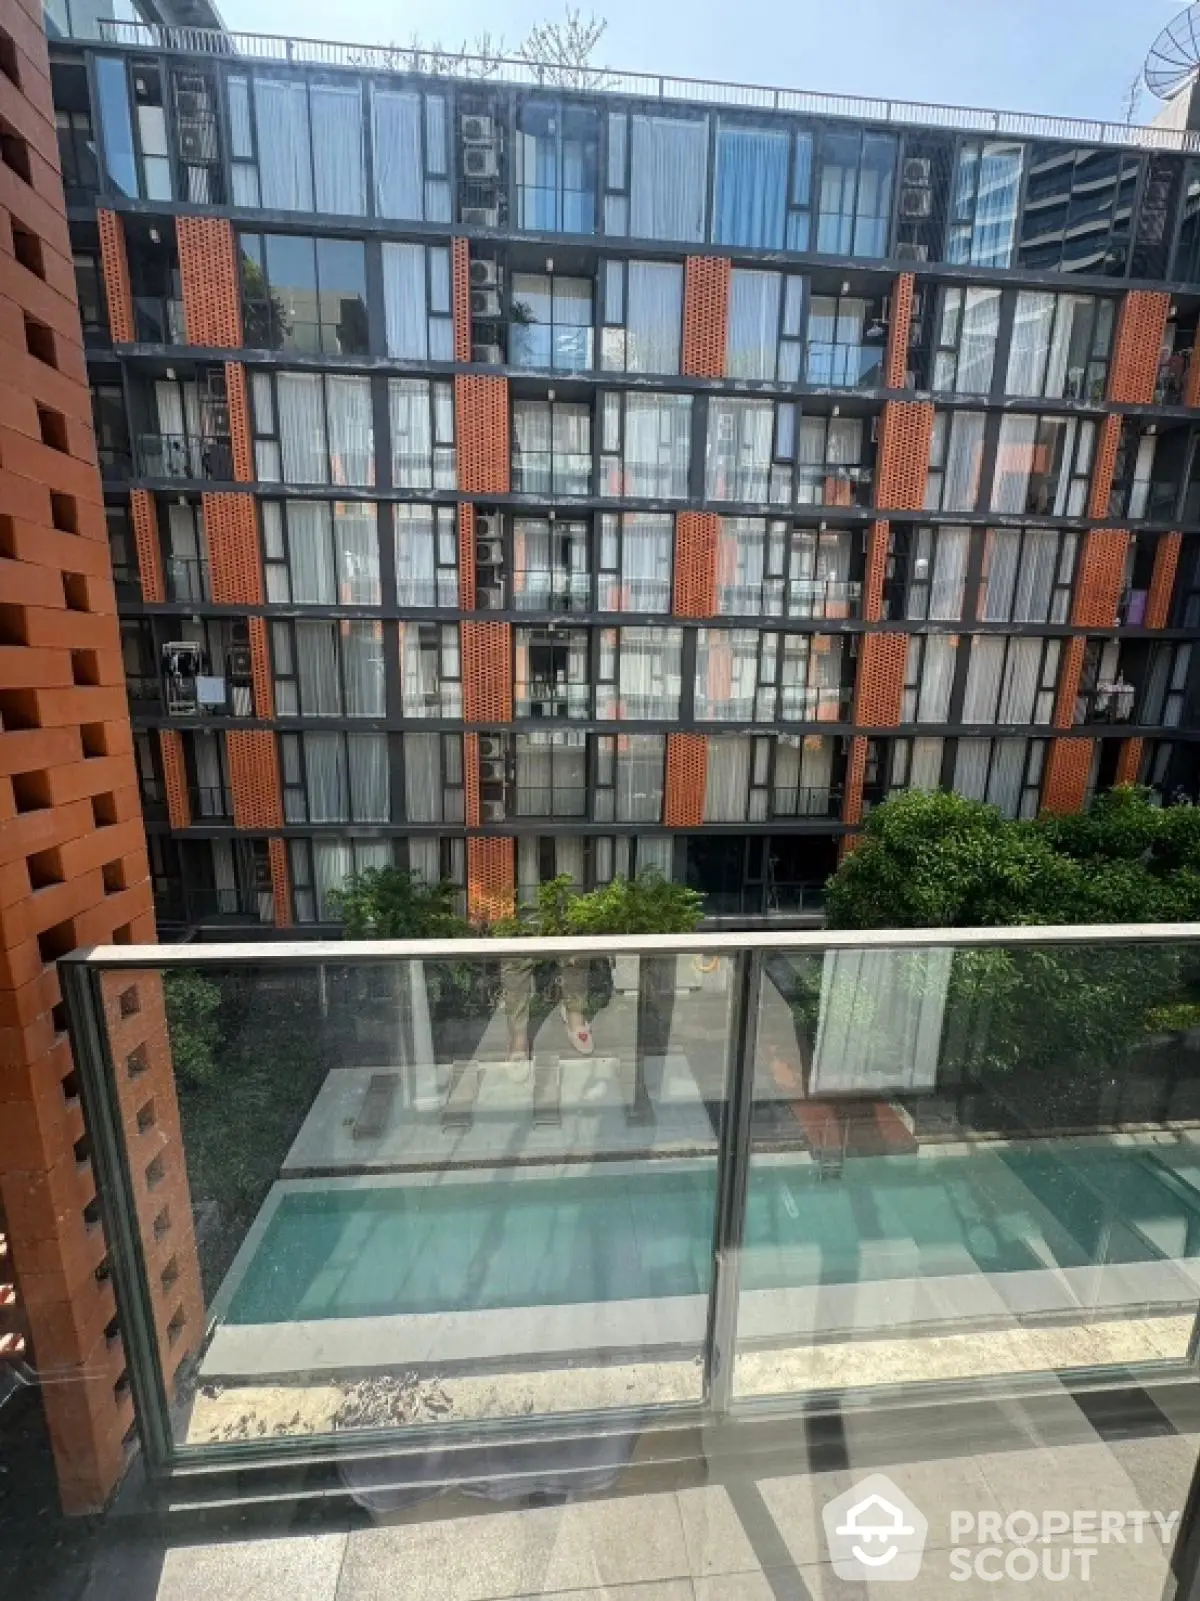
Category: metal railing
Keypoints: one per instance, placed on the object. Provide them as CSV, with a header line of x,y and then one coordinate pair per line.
x,y
212,801
1107,703
641,85
188,578
809,801
184,456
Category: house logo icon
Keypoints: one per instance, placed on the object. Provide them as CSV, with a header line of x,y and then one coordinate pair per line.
x,y
875,1532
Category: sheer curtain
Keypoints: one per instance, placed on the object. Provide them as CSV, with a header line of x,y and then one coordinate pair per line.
x,y
739,448
412,436
971,768
741,556
653,316
317,669
977,341
1006,780
404,301
396,144
964,456
325,769
532,441
650,673
311,553
658,431
414,529
948,578
925,763
422,778
668,178
367,760
302,428
639,777
751,190
362,664
879,1028
356,554
284,148
1015,456
929,701
351,430
337,130
1032,327
753,336
726,674
646,547
727,778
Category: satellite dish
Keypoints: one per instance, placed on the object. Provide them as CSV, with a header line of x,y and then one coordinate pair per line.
x,y
1175,55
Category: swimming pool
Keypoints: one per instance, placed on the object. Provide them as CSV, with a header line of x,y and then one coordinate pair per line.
x,y
521,1239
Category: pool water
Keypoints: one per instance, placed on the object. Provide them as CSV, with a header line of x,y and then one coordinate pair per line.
x,y
517,1241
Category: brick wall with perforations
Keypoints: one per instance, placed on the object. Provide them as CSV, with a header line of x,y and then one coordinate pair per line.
x,y
174,770
1162,580
895,372
706,282
487,673
481,420
686,778
696,537
460,278
1191,387
1102,466
472,806
878,542
1064,787
234,560
1133,370
880,687
144,516
73,858
241,444
1070,672
208,271
1129,761
466,556
254,778
902,465
1100,578
491,877
260,668
281,882
856,772
114,268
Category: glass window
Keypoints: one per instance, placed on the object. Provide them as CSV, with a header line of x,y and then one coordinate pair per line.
x,y
433,778
740,439
634,565
422,424
555,164
983,211
408,141
1027,574
426,540
639,674
769,568
300,293
328,668
305,151
550,775
313,429
1078,209
552,448
1006,773
955,461
752,340
1060,346
832,462
550,565
643,316
927,571
430,670
335,778
928,678
416,301
668,178
551,677
1011,680
318,554
965,351
1043,465
550,322
646,444
750,205
116,124
846,343
854,188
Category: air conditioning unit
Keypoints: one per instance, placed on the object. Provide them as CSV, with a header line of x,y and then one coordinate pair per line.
x,y
487,525
477,130
491,772
487,355
490,598
489,552
485,303
916,202
491,747
198,144
481,161
917,170
240,663
481,216
485,272
492,811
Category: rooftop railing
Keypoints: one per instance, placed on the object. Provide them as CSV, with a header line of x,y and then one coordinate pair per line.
x,y
392,1197
641,85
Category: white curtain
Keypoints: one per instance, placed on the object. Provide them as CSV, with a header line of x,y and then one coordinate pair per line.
x,y
726,674
1032,327
333,862
1035,585
362,662
416,553
653,316
879,1028
639,777
422,778
309,546
1007,775
727,780
1021,672
741,556
932,692
302,428
977,343
338,148
646,545
412,438
650,668
925,763
964,453
317,669
657,445
284,149
753,336
739,448
367,760
1014,462
971,768
404,301
983,679
351,430
325,766
356,554
396,143
668,178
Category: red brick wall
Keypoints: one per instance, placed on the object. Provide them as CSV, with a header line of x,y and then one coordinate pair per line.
x,y
1067,767
460,268
481,418
895,373
878,541
254,778
1069,673
1102,467
241,444
260,669
856,772
234,562
471,797
705,315
491,877
466,556
212,307
281,883
174,768
1101,574
696,537
686,777
144,516
1129,761
880,688
487,677
902,465
1162,580
114,266
1133,371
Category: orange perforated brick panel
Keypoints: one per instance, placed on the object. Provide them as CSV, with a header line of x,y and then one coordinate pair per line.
x,y
1133,371
902,466
1069,672
240,441
254,778
687,776
281,882
1102,467
896,367
234,563
471,801
1162,580
460,269
145,537
487,672
114,264
491,877
705,315
696,537
208,271
1129,762
856,772
481,417
1064,787
1101,576
878,542
880,689
179,810
1191,388
466,556
260,668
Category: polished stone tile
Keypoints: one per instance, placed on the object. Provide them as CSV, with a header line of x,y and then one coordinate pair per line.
x,y
716,1539
298,1568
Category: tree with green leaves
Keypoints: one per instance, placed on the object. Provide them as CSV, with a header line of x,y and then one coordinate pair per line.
x,y
390,903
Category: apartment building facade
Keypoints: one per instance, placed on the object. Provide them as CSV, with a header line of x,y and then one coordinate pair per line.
x,y
506,479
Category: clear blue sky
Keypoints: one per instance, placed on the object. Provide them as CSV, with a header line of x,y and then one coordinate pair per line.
x,y
1071,57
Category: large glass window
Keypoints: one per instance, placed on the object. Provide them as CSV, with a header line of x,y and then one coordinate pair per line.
x,y
854,192
321,866
556,167
551,775
965,348
550,322
300,293
643,316
635,562
772,569
1011,680
430,670
328,668
433,778
1043,465
629,777
1060,346
741,441
832,464
313,428
550,565
302,147
1027,575
422,423
845,346
750,204
752,341
983,209
645,443
639,674
317,554
927,572
151,120
1078,209
416,301
116,124
426,540
411,155
1003,772
747,675
335,778
552,448
551,677
955,461
657,177
928,678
